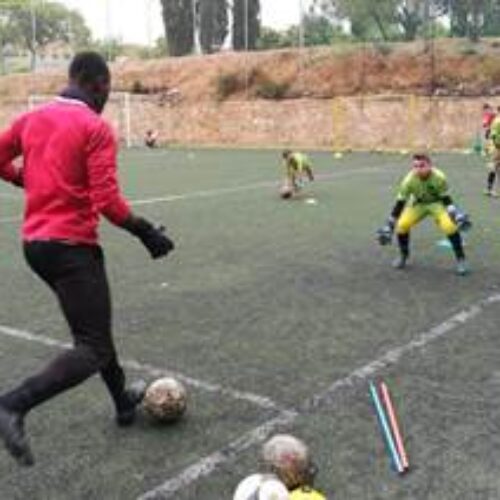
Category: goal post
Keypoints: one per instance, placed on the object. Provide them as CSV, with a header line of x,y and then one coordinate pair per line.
x,y
117,112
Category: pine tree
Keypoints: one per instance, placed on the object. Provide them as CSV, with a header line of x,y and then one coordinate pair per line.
x,y
179,27
246,25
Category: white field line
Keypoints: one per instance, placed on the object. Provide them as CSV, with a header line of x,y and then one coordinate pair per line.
x,y
229,190
152,371
205,466
394,355
249,187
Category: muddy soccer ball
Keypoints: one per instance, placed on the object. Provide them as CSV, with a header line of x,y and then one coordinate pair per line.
x,y
286,192
288,458
165,400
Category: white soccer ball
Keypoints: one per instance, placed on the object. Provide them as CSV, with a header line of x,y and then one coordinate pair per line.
x,y
272,489
261,487
288,458
165,400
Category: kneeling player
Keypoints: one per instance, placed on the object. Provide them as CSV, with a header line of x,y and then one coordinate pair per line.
x,y
151,138
423,192
297,166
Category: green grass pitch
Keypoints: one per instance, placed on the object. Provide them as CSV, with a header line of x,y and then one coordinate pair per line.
x,y
278,300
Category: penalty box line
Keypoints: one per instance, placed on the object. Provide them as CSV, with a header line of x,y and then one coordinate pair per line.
x,y
207,465
153,371
213,193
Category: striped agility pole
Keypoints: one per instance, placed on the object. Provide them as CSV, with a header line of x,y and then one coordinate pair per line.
x,y
384,427
395,428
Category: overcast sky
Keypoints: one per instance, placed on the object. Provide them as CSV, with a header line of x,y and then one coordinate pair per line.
x,y
139,21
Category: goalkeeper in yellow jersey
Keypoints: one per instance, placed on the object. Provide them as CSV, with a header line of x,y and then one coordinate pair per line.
x,y
297,166
424,192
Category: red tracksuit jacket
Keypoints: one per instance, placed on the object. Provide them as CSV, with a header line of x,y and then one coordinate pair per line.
x,y
69,171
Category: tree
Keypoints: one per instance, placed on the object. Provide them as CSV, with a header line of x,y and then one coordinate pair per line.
x,y
110,47
318,30
367,19
273,39
411,15
7,37
36,25
491,25
213,24
246,24
179,26
388,19
473,18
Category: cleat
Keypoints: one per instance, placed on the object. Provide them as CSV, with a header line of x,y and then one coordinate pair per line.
x,y
12,433
132,397
462,268
400,262
487,192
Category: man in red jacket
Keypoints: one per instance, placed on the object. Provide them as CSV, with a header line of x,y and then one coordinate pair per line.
x,y
69,179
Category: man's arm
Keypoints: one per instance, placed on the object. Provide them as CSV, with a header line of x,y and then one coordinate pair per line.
x,y
107,198
10,148
102,174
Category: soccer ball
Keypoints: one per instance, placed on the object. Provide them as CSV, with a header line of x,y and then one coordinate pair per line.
x,y
286,192
261,487
288,458
165,400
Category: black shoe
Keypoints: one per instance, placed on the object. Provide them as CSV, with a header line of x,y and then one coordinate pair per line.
x,y
132,397
12,432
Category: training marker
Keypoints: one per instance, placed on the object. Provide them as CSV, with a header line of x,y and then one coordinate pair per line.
x,y
384,427
396,432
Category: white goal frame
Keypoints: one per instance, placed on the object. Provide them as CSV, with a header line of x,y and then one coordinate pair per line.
x,y
119,106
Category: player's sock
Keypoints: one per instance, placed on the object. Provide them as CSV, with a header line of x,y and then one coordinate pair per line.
x,y
490,181
404,244
404,249
457,245
68,369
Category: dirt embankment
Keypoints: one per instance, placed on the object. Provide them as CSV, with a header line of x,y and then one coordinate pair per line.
x,y
338,97
446,68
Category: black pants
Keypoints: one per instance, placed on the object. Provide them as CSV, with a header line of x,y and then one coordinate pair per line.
x,y
76,274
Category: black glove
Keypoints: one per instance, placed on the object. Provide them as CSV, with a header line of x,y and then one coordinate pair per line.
x,y
153,238
384,234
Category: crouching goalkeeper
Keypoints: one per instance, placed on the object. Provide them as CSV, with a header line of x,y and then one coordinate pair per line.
x,y
424,192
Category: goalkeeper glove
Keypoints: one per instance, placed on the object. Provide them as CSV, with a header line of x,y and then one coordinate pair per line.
x,y
384,234
153,238
461,219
